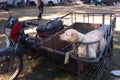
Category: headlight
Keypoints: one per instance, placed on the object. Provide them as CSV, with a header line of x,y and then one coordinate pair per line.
x,y
7,32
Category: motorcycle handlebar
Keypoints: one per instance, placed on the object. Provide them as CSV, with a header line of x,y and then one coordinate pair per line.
x,y
28,23
31,23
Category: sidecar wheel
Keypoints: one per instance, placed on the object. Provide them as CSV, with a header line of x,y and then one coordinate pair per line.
x,y
10,67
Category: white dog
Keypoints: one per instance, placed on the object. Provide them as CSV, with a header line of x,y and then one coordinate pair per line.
x,y
73,36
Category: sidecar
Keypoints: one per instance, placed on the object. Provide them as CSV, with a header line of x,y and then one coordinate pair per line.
x,y
54,49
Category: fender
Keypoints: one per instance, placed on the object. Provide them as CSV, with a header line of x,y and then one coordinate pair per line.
x,y
7,51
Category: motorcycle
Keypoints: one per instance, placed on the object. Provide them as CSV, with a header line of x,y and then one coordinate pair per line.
x,y
20,44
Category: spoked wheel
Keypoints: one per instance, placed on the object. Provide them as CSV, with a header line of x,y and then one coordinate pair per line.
x,y
10,67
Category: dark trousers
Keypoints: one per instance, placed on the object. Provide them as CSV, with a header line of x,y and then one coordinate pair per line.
x,y
40,11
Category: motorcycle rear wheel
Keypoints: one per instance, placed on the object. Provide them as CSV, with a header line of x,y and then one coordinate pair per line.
x,y
10,67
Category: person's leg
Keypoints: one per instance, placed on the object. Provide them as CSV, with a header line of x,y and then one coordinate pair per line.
x,y
40,12
39,15
42,8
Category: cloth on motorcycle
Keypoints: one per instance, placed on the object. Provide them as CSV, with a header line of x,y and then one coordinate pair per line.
x,y
14,34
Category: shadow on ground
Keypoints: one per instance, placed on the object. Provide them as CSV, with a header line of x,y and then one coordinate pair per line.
x,y
45,71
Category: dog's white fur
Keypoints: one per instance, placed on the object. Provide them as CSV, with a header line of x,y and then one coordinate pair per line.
x,y
73,36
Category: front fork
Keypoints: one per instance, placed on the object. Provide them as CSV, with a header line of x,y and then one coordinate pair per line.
x,y
17,49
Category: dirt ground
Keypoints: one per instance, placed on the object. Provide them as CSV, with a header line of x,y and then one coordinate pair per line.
x,y
30,13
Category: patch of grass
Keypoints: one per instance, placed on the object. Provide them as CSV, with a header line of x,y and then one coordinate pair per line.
x,y
41,70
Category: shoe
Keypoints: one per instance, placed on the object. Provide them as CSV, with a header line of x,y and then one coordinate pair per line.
x,y
39,18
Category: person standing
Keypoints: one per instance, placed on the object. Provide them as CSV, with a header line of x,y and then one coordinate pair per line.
x,y
40,5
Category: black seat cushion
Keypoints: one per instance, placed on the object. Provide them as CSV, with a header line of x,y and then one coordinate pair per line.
x,y
51,25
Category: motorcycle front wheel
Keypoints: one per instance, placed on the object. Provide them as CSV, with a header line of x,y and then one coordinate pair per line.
x,y
10,67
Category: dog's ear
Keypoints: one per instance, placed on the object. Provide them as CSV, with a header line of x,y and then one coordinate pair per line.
x,y
74,37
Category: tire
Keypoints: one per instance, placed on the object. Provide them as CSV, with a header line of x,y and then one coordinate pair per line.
x,y
95,4
10,66
32,3
50,3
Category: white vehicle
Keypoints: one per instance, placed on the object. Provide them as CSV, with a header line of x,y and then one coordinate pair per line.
x,y
3,1
9,1
47,2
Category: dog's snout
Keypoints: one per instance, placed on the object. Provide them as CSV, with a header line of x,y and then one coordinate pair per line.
x,y
60,36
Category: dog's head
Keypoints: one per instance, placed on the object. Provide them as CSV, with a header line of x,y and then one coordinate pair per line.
x,y
71,35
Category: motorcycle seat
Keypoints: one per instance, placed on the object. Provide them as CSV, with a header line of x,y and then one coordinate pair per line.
x,y
49,26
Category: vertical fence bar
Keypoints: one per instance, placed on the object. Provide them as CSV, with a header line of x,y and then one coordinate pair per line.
x,y
53,43
72,17
110,18
88,17
87,50
103,18
83,17
75,16
93,17
78,62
